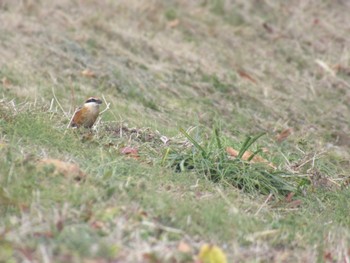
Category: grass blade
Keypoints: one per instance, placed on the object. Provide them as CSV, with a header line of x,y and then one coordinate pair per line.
x,y
196,144
248,142
253,155
218,138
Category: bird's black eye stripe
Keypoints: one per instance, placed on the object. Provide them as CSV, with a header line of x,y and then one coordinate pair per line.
x,y
91,100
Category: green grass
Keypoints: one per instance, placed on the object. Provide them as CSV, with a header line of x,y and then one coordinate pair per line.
x,y
179,94
137,194
211,161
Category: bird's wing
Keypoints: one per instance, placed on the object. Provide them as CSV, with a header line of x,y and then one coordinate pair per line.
x,y
73,120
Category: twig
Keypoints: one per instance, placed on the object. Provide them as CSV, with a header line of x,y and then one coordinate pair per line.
x,y
44,254
285,157
12,102
106,109
334,182
165,228
234,209
264,233
71,119
261,207
54,95
316,155
51,105
331,72
107,105
192,186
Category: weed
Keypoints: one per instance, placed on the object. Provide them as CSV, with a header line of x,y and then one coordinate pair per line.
x,y
211,161
171,14
216,83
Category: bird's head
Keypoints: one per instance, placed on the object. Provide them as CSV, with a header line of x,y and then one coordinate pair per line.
x,y
93,101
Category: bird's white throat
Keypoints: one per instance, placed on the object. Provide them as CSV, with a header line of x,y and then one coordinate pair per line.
x,y
92,107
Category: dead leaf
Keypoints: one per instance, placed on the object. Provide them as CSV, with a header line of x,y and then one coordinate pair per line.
x,y
143,214
45,234
341,69
97,224
328,256
232,152
24,207
67,169
289,197
173,23
256,159
294,204
88,73
211,254
6,82
27,252
59,225
151,258
247,76
184,247
284,134
132,152
268,28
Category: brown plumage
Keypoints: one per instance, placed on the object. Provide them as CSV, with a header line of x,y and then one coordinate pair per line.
x,y
87,114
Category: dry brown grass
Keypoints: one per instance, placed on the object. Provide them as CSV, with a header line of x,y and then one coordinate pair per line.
x,y
252,65
275,44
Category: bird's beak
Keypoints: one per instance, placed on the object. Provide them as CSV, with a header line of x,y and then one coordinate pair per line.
x,y
99,101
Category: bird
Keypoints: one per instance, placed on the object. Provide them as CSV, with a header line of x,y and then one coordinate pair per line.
x,y
87,114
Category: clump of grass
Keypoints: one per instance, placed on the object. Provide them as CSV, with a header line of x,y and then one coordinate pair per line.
x,y
171,14
215,81
209,159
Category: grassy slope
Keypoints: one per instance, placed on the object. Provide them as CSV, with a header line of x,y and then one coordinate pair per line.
x,y
247,66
